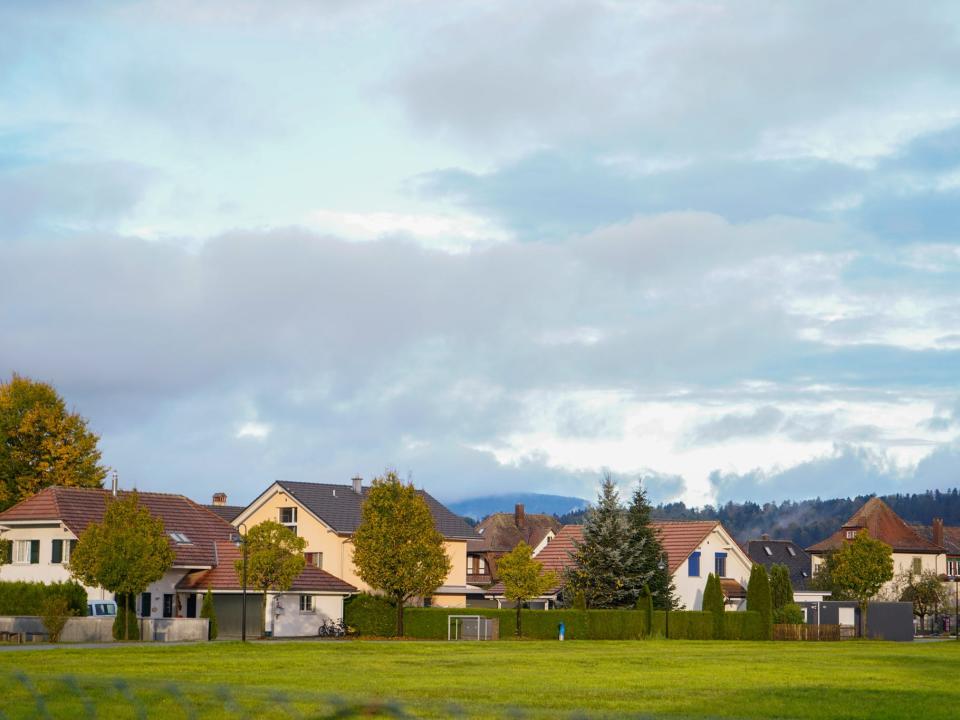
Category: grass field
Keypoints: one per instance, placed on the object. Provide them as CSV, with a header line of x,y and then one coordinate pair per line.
x,y
487,680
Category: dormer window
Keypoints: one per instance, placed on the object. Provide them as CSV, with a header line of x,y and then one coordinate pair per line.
x,y
851,534
767,550
179,538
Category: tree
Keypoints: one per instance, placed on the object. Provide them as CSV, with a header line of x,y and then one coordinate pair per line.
x,y
54,614
397,548
860,568
758,596
645,605
607,567
125,552
274,560
822,578
713,602
523,577
41,443
651,566
209,612
925,591
781,589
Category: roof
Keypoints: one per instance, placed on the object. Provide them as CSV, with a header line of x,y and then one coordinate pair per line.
x,y
227,512
679,538
78,507
951,537
501,532
732,590
555,556
881,523
224,576
339,507
768,552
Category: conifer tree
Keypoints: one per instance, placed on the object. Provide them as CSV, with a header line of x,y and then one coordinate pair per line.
x,y
758,597
208,611
713,603
651,562
781,590
605,560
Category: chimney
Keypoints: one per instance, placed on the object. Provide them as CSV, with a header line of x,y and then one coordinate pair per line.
x,y
358,485
219,498
938,531
764,537
519,518
114,483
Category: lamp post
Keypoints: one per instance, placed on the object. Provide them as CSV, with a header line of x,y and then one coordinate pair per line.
x,y
666,615
243,611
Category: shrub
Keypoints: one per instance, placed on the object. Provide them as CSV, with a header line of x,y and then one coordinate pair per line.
x,y
645,605
370,615
123,616
6,549
781,590
207,611
580,600
791,614
27,598
713,603
743,626
758,597
54,614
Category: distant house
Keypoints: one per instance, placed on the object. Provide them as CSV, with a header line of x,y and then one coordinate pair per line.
x,y
219,507
326,516
693,550
949,538
502,532
769,552
912,552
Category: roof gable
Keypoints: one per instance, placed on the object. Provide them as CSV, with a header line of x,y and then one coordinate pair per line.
x,y
880,523
679,538
501,532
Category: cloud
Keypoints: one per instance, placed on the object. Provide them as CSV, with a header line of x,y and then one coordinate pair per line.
x,y
762,421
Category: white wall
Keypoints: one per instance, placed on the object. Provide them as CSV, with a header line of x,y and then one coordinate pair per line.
x,y
290,622
690,589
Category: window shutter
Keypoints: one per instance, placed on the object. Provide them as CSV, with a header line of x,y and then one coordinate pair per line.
x,y
34,552
694,564
56,552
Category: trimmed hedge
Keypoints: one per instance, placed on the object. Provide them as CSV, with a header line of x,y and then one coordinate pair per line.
x,y
371,615
27,598
690,625
743,626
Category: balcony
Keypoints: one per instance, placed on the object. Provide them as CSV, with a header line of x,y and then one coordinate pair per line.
x,y
479,579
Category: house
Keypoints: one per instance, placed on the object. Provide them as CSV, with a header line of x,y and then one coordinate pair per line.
x,y
502,532
912,552
315,597
326,515
219,507
44,529
947,537
693,550
769,552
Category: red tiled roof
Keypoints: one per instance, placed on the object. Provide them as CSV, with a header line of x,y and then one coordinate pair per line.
x,y
556,554
78,507
951,537
732,590
224,576
880,523
679,538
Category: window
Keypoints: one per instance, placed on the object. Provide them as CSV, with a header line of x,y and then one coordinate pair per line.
x,y
767,550
720,564
168,606
804,573
306,603
693,565
483,566
179,538
315,559
288,517
145,604
793,553
26,552
952,567
917,566
56,552
851,534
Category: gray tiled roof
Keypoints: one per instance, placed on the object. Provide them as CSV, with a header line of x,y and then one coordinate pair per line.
x,y
798,563
227,512
339,507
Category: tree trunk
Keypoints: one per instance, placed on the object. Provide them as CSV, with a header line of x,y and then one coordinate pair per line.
x,y
518,633
399,602
126,616
263,614
863,618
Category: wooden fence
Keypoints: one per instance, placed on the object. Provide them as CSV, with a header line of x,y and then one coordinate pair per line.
x,y
807,632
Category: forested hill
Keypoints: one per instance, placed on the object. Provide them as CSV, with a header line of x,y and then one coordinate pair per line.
x,y
806,521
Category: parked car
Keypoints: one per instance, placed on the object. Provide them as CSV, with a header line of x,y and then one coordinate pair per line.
x,y
101,608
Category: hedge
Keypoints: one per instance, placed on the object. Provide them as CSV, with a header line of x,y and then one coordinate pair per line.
x,y
690,625
370,615
743,626
27,598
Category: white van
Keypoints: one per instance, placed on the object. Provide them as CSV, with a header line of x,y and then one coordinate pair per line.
x,y
101,608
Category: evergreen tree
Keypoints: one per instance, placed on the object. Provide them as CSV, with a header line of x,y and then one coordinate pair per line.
x,y
207,611
650,560
604,563
645,604
781,590
758,597
713,603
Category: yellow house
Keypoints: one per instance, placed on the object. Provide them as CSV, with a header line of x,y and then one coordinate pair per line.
x,y
326,516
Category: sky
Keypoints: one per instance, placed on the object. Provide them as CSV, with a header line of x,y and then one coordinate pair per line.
x,y
496,246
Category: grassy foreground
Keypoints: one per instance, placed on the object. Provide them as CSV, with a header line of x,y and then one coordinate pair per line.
x,y
540,679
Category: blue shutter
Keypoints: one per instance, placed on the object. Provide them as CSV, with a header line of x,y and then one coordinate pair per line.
x,y
693,564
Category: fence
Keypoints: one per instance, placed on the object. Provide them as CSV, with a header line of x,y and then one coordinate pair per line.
x,y
807,632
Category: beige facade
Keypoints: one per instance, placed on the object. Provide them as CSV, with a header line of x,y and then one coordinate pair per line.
x,y
336,549
903,563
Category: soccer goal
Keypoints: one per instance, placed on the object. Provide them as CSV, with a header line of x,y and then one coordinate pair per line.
x,y
472,627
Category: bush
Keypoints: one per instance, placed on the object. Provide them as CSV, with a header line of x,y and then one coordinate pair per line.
x,y
54,614
371,615
580,600
791,614
758,596
27,598
207,611
713,603
130,618
6,550
743,626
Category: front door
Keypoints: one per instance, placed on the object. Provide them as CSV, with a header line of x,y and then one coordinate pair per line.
x,y
192,605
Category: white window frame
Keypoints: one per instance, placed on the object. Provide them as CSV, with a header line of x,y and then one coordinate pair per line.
x,y
308,601
290,525
21,552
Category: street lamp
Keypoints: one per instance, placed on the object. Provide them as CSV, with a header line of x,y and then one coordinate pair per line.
x,y
243,612
666,616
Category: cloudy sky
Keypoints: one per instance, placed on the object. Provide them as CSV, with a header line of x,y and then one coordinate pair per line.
x,y
496,246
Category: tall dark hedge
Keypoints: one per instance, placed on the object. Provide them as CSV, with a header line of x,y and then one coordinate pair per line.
x,y
645,605
27,598
781,589
758,597
208,611
713,603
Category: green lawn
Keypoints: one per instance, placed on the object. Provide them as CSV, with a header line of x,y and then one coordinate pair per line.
x,y
542,679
